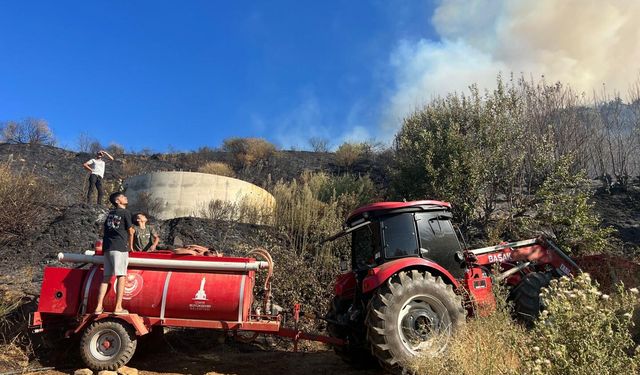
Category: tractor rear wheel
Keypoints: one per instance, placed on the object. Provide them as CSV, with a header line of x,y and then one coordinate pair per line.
x,y
107,344
413,313
526,297
356,353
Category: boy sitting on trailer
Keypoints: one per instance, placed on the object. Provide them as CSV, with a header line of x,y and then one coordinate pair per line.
x,y
146,238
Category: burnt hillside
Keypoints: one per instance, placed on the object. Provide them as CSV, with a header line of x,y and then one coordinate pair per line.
x,y
63,168
67,224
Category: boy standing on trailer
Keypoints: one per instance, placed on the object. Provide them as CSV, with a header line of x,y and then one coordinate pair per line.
x,y
116,244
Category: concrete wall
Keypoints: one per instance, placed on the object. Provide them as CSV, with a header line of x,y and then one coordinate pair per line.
x,y
182,194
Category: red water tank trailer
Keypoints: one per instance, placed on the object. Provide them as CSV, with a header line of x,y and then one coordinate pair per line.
x,y
161,290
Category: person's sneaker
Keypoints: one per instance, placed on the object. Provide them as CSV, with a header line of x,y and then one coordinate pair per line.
x,y
121,312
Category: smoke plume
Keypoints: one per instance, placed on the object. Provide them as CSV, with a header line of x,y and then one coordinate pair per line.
x,y
585,43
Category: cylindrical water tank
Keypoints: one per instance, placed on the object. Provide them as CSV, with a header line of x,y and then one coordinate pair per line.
x,y
180,194
178,293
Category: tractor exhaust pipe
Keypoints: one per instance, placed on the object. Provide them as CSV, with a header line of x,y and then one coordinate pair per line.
x,y
169,263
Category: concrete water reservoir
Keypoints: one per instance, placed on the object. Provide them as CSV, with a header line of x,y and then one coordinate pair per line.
x,y
180,194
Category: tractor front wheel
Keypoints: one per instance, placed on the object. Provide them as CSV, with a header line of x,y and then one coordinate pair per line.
x,y
526,297
107,344
413,313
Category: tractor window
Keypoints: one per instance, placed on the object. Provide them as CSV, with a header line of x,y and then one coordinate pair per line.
x,y
436,233
438,241
365,244
400,236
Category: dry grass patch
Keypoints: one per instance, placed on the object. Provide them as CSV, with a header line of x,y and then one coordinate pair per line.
x,y
490,345
217,168
24,199
12,358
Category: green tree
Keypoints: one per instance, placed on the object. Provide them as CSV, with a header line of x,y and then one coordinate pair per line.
x,y
564,208
434,157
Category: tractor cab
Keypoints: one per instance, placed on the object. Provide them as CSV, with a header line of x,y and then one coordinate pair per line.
x,y
387,231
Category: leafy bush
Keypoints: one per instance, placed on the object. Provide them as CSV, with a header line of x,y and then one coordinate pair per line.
x,y
580,332
435,158
583,331
565,209
217,168
248,151
494,155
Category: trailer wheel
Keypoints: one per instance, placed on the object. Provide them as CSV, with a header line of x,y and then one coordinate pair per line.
x,y
414,312
107,344
526,297
356,353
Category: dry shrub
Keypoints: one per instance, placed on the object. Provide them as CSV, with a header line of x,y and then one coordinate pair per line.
x,y
115,150
485,345
9,302
244,210
132,168
145,202
12,358
30,130
314,207
248,151
24,199
349,153
217,168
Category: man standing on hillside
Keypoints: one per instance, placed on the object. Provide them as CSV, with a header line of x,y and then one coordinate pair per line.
x,y
96,167
116,244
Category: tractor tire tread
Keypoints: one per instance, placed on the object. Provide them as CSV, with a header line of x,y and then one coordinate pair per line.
x,y
526,297
379,319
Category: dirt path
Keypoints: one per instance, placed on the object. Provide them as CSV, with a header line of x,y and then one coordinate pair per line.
x,y
237,363
208,352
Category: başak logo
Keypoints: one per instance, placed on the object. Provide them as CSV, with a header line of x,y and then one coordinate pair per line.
x,y
200,299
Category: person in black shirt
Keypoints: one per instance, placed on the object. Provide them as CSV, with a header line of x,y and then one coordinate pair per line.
x,y
116,244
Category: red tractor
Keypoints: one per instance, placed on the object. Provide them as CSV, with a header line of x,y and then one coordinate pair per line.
x,y
411,280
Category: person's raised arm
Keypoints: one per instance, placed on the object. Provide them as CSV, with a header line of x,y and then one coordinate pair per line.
x,y
108,154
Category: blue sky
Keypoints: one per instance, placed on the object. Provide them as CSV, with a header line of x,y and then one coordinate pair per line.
x,y
154,74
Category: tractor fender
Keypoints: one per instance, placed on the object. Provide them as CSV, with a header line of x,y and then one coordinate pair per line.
x,y
345,285
379,275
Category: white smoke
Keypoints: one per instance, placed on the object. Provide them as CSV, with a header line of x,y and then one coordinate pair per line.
x,y
585,43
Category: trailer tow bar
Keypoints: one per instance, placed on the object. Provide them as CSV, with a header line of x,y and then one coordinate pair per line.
x,y
296,334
